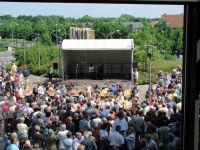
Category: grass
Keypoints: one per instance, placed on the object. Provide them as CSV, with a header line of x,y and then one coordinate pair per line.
x,y
8,40
166,66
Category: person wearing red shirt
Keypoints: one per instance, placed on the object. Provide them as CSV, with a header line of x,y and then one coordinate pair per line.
x,y
16,81
18,98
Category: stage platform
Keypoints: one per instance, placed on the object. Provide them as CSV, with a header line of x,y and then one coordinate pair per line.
x,y
103,83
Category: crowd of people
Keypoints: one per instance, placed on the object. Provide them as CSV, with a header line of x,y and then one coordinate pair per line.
x,y
53,117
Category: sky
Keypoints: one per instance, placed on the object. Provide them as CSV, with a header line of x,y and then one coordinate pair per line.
x,y
94,10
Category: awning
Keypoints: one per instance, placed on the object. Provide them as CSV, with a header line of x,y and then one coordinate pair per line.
x,y
98,44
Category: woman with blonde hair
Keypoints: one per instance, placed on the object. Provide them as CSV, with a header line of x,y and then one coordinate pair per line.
x,y
14,135
63,89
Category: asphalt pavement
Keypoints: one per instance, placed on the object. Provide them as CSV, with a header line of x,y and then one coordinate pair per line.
x,y
6,57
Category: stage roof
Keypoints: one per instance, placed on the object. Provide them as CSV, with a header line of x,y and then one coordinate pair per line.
x,y
98,44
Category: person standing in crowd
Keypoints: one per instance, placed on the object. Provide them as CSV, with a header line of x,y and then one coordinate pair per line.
x,y
26,74
152,121
116,139
77,141
22,129
84,124
21,77
130,139
50,73
13,145
88,143
135,76
3,68
166,79
163,132
121,121
14,69
68,142
51,140
62,136
160,75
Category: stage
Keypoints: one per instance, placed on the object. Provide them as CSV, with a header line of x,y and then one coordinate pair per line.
x,y
103,83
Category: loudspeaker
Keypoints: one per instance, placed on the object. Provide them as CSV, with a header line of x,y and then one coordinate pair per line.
x,y
135,64
55,65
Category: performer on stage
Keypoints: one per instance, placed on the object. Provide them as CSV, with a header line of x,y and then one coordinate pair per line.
x,y
91,71
100,72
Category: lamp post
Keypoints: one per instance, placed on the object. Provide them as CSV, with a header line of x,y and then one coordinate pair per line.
x,y
150,55
111,33
59,66
2,44
12,39
56,34
38,37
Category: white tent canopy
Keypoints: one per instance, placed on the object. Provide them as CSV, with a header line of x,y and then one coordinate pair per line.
x,y
98,44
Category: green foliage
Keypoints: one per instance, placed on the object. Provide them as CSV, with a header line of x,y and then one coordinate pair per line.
x,y
47,54
169,42
170,57
177,41
107,31
8,66
4,44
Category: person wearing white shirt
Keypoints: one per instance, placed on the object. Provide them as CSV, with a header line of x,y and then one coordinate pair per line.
x,y
91,70
43,106
115,138
21,76
20,90
62,136
135,76
5,99
28,110
81,97
77,141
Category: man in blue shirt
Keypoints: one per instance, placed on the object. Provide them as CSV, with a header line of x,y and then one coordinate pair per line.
x,y
114,89
26,73
104,113
169,102
3,68
68,142
12,146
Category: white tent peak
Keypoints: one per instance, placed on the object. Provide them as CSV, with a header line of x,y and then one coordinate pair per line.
x,y
98,44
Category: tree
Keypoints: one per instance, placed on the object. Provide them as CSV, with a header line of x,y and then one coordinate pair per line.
x,y
177,42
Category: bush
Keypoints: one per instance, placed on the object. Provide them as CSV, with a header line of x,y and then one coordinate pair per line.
x,y
144,78
164,65
47,53
170,57
8,66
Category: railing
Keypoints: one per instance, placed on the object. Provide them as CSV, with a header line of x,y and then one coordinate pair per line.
x,y
111,70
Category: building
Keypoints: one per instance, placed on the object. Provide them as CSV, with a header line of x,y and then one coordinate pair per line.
x,y
81,33
135,25
87,24
153,23
175,21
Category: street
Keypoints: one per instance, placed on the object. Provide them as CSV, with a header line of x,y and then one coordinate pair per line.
x,y
6,57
